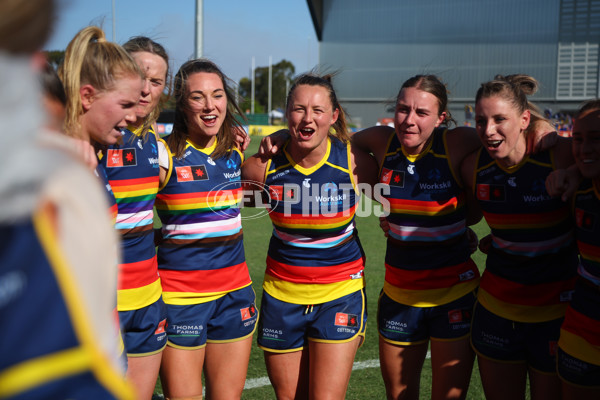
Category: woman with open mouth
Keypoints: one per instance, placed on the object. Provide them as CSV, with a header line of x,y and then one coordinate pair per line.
x,y
531,263
313,310
211,312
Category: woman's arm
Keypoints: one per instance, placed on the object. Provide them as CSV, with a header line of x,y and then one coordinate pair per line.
x,y
373,140
364,167
467,172
253,179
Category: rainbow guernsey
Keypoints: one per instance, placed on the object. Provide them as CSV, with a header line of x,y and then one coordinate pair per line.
x,y
531,266
314,255
132,170
428,258
202,230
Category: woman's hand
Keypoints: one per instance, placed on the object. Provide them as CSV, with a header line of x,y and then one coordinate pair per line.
x,y
270,145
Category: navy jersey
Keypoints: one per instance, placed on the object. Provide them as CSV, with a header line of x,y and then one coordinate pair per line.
x,y
314,239
48,349
531,266
427,259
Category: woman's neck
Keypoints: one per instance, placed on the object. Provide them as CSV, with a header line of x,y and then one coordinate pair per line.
x,y
201,141
307,158
518,154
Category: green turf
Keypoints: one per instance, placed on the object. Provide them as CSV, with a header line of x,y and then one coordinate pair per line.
x,y
364,383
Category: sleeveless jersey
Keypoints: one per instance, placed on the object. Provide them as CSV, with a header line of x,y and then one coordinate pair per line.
x,y
201,256
49,349
314,254
580,332
133,173
427,258
531,265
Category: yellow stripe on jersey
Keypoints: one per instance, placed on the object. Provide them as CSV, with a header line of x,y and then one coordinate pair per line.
x,y
100,365
520,312
429,297
137,298
309,293
578,347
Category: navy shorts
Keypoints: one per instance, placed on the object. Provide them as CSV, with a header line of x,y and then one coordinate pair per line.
x,y
576,371
405,325
286,327
505,340
229,318
143,330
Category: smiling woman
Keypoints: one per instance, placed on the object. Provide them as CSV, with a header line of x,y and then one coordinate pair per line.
x,y
313,310
531,264
211,312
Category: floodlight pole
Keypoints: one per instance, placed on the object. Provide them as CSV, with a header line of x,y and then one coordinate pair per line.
x,y
199,28
270,86
252,91
114,22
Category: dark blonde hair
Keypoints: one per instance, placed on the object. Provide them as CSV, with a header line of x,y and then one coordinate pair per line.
x,y
514,89
312,79
91,59
226,137
432,85
140,44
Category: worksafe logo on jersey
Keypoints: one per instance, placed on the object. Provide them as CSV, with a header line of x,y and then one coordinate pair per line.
x,y
585,220
434,174
230,163
233,176
343,319
392,177
491,192
191,173
538,187
120,158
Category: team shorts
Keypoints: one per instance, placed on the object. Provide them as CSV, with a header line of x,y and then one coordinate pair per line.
x,y
405,325
229,318
508,341
579,345
143,330
576,371
286,327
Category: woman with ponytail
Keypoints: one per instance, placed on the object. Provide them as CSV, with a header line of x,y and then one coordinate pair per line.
x,y
207,289
313,310
531,264
133,172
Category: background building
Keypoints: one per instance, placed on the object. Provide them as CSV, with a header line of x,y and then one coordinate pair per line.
x,y
377,45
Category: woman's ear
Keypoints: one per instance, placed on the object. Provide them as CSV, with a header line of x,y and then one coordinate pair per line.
x,y
525,119
335,116
440,119
87,93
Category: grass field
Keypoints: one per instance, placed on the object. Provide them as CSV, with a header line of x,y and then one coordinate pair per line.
x,y
366,381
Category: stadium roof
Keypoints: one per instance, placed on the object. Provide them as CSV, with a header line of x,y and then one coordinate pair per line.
x,y
316,13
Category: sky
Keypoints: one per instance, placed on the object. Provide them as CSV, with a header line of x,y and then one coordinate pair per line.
x,y
234,31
